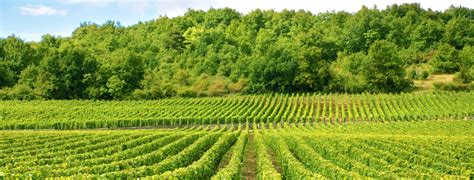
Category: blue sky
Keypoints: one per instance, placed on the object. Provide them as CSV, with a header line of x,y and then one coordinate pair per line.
x,y
30,19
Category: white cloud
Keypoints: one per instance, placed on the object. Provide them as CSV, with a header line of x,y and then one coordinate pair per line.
x,y
173,12
92,3
85,1
38,10
137,6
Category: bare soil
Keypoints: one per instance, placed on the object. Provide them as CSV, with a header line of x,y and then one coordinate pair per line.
x,y
249,165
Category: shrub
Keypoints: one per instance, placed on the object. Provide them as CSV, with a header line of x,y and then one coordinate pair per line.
x,y
424,74
451,86
19,91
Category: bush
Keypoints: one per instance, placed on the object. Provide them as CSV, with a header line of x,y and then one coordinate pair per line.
x,y
424,75
150,93
19,91
411,72
452,86
416,72
466,72
218,86
237,86
187,92
3,94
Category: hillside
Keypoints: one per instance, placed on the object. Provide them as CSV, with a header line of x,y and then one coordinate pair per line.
x,y
221,51
217,94
411,135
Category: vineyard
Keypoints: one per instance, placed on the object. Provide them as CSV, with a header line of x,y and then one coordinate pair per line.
x,y
272,108
429,149
296,136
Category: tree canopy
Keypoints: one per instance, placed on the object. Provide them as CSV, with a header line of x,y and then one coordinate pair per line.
x,y
221,51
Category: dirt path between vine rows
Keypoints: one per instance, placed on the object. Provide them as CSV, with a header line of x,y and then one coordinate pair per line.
x,y
249,166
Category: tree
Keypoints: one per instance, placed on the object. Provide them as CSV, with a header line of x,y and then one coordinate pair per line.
x,y
220,51
115,86
6,75
364,28
445,59
466,57
347,73
384,68
224,16
427,34
381,70
459,32
119,74
15,55
273,68
63,70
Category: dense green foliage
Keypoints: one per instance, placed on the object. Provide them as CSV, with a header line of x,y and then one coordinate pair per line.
x,y
135,153
222,51
270,108
393,150
425,149
303,124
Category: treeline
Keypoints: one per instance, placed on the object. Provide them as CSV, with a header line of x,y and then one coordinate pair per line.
x,y
222,51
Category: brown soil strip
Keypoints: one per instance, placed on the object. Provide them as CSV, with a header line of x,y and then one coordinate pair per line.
x,y
249,166
274,161
225,159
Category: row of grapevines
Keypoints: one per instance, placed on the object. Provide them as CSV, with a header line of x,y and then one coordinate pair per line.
x,y
292,167
207,163
232,170
265,169
269,108
116,153
427,149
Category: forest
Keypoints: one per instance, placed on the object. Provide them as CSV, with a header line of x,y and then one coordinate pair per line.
x,y
222,51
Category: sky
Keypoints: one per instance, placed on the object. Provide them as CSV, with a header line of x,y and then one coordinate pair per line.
x,y
30,19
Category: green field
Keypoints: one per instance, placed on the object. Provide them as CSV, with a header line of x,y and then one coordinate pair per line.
x,y
163,89
429,149
272,108
335,136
